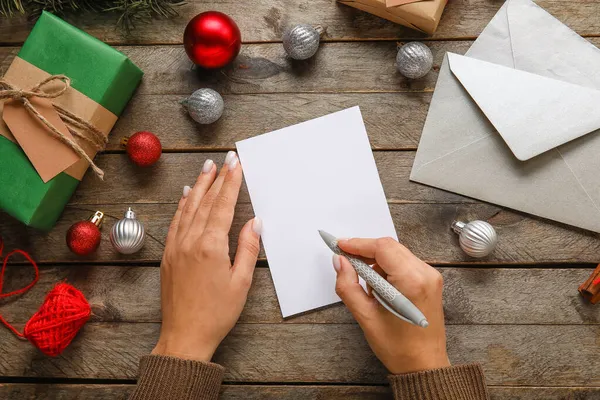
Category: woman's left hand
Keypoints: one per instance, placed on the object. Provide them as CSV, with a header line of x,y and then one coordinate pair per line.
x,y
202,293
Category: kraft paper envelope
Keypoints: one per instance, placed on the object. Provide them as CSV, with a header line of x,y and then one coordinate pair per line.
x,y
515,121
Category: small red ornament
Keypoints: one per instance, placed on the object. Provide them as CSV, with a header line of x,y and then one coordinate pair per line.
x,y
212,39
64,311
83,237
143,148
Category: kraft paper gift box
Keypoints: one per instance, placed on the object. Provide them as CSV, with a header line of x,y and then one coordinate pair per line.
x,y
422,15
38,174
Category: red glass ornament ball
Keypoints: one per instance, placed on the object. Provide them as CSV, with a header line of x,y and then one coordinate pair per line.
x,y
144,148
212,39
83,238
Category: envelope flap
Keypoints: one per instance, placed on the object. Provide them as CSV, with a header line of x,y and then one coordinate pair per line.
x,y
543,45
532,113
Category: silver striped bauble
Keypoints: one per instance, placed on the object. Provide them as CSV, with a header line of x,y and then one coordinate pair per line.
x,y
477,238
302,41
205,106
414,60
127,235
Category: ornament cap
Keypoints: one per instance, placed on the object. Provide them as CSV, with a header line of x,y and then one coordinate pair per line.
x,y
124,141
97,218
458,226
129,213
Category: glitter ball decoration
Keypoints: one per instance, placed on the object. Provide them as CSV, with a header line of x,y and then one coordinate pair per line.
x,y
205,106
477,238
212,39
414,60
83,237
127,235
302,41
143,148
63,313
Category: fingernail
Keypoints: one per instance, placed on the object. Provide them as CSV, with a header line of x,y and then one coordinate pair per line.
x,y
257,225
337,263
186,191
231,160
207,167
230,156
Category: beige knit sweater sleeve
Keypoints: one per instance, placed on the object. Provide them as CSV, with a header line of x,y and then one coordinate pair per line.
x,y
169,378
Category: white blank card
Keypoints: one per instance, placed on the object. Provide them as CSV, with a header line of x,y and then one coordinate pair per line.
x,y
319,174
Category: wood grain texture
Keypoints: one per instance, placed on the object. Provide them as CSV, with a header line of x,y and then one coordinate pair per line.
x,y
532,355
12,391
264,68
265,20
423,228
471,296
393,121
163,182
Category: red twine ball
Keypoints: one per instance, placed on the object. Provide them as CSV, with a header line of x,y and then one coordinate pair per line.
x,y
83,238
212,39
62,314
143,148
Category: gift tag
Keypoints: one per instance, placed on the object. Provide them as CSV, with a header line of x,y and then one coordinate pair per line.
x,y
48,155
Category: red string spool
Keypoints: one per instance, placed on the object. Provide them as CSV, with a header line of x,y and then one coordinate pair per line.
x,y
62,314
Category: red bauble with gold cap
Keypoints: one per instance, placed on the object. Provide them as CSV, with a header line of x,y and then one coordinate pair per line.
x,y
212,39
143,148
83,237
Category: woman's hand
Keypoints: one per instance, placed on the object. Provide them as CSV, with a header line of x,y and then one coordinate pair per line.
x,y
202,293
401,347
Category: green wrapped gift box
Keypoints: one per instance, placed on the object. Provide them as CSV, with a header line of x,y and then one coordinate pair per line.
x,y
102,82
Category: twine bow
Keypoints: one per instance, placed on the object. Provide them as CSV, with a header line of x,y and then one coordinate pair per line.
x,y
94,137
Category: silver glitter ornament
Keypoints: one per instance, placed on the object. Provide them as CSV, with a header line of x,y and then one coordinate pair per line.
x,y
414,60
477,238
127,235
302,41
205,106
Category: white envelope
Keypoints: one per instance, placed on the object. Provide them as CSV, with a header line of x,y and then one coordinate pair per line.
x,y
515,121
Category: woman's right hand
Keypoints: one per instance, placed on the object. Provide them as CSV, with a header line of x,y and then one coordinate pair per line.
x,y
400,346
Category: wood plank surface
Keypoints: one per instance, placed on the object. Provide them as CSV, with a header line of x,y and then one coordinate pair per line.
x,y
265,20
19,391
424,228
530,355
471,296
164,182
393,121
263,68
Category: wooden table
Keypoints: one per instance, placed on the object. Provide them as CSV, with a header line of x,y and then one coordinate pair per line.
x,y
518,314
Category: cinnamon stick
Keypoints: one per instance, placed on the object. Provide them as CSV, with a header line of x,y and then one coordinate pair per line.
x,y
590,289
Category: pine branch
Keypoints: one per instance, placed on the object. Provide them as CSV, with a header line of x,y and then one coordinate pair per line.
x,y
130,11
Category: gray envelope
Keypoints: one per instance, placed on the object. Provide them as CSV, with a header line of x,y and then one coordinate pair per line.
x,y
515,121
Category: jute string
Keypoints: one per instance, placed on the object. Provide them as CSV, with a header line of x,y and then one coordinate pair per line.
x,y
93,135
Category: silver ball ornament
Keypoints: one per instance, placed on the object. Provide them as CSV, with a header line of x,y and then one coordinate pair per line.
x,y
127,235
477,238
205,106
302,41
414,60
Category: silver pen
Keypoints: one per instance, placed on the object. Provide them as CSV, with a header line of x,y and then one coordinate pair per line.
x,y
389,297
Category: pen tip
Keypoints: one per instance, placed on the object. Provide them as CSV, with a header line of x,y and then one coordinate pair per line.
x,y
327,237
424,323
